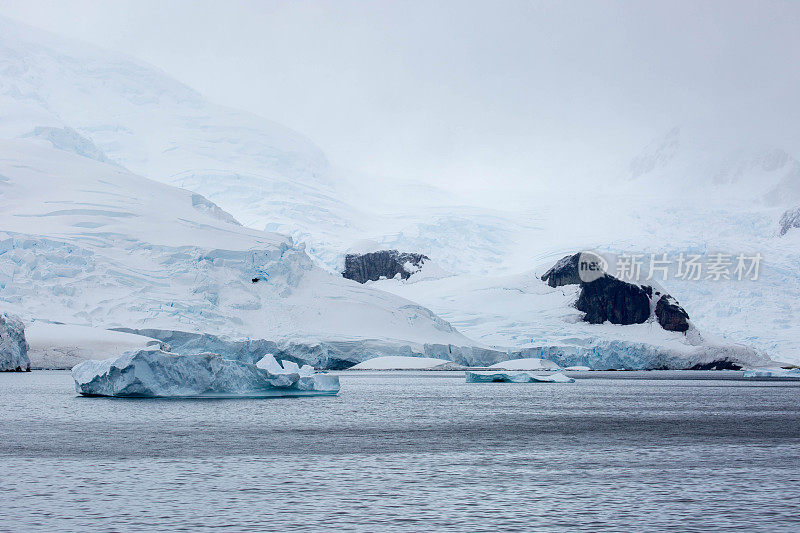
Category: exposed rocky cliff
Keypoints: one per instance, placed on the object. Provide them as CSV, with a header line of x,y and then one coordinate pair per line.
x,y
564,272
613,300
387,264
671,316
790,219
608,299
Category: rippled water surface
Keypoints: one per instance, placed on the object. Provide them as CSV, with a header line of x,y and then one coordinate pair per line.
x,y
406,452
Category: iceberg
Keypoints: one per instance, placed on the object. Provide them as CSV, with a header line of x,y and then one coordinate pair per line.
x,y
516,377
13,346
761,373
159,374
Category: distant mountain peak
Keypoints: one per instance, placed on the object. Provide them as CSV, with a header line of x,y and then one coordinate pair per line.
x,y
693,159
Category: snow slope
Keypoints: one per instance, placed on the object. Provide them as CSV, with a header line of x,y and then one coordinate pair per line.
x,y
83,99
114,108
534,320
88,243
731,161
699,193
692,190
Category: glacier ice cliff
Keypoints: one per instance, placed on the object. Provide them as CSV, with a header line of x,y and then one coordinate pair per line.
x,y
772,373
597,353
155,373
13,347
327,354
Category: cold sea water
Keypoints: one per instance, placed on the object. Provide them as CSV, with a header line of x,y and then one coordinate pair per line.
x,y
401,451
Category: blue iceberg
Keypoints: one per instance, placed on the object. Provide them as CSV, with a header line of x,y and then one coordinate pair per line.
x,y
153,373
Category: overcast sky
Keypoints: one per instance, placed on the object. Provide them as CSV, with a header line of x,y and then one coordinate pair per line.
x,y
466,92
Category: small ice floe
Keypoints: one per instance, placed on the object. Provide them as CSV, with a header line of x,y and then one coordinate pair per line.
x,y
515,377
529,363
158,374
578,368
764,373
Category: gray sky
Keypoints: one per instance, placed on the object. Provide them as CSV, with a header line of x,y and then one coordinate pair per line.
x,y
497,93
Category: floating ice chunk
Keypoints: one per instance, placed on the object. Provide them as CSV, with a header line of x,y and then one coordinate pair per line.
x,y
578,368
155,373
515,377
529,363
270,364
757,373
291,367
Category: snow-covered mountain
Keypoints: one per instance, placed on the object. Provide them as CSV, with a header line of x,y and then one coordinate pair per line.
x,y
114,113
114,108
85,242
731,163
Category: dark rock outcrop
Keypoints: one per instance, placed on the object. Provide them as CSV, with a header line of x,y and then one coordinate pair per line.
x,y
671,316
564,272
790,219
722,364
385,263
613,300
619,302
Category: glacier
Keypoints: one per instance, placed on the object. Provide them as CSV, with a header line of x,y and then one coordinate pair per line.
x,y
13,345
158,374
100,257
768,373
88,244
498,376
533,320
